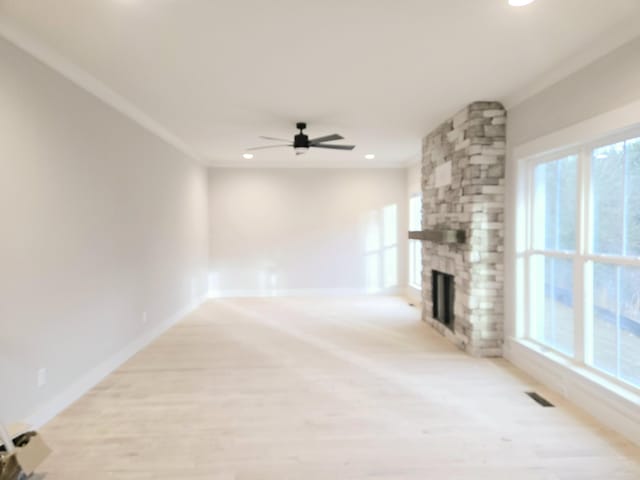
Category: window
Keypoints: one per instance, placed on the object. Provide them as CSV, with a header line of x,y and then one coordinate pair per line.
x,y
554,238
583,256
614,312
415,246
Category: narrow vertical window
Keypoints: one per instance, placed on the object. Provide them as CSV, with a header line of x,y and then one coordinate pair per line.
x,y
615,252
554,240
415,246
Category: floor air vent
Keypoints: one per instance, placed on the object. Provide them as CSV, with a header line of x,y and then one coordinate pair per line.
x,y
540,399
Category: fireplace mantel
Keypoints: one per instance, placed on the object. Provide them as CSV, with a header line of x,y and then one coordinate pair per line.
x,y
439,236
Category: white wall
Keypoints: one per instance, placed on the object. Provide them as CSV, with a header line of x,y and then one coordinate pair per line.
x,y
100,222
414,179
610,82
281,230
601,97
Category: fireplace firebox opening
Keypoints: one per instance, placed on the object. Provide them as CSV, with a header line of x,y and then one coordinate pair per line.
x,y
443,291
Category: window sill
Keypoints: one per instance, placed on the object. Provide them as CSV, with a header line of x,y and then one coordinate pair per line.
x,y
613,404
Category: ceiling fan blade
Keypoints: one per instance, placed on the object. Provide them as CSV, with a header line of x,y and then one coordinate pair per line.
x,y
270,146
335,147
327,138
276,139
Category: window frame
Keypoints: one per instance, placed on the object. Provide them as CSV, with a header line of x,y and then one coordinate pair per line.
x,y
583,257
415,264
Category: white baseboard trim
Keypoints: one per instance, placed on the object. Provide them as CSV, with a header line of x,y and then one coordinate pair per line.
x,y
86,382
611,404
306,292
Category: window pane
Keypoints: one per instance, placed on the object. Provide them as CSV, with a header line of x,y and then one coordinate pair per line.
x,y
607,175
616,321
555,205
630,324
544,226
632,204
415,246
415,263
415,213
605,301
552,302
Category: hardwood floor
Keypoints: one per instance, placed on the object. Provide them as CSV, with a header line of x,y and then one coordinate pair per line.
x,y
340,388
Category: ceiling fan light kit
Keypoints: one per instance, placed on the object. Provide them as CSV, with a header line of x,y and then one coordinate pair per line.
x,y
301,143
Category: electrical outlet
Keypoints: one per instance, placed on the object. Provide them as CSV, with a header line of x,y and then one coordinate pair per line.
x,y
144,318
42,377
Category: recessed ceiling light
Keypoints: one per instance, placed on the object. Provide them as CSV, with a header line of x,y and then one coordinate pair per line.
x,y
369,156
520,3
247,156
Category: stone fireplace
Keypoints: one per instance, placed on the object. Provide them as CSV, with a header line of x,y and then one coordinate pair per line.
x,y
463,166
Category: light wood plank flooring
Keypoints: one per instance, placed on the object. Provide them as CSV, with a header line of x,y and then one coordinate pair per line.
x,y
332,389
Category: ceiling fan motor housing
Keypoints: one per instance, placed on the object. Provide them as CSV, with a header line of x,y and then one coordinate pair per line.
x,y
301,141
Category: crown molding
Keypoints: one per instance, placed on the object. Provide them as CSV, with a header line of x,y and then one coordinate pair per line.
x,y
89,83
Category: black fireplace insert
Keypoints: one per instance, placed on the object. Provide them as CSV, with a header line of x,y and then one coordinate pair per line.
x,y
443,297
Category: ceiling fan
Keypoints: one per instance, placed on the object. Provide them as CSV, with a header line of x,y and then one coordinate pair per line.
x,y
301,143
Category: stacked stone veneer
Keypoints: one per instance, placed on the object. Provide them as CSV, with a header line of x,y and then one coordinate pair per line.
x,y
474,142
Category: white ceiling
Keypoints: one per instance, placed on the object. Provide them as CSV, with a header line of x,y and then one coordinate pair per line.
x,y
218,73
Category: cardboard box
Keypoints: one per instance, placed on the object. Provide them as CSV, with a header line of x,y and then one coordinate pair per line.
x,y
30,455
